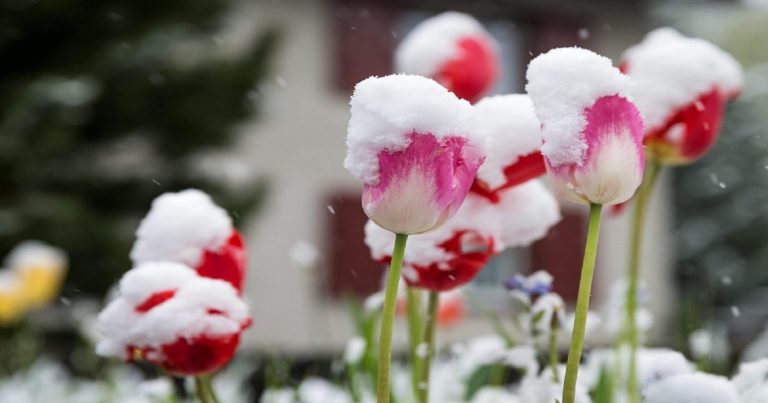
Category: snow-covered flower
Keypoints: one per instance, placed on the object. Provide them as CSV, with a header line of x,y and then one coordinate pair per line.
x,y
189,228
548,312
41,269
682,86
533,285
592,132
168,315
453,254
453,49
752,381
511,135
694,387
407,141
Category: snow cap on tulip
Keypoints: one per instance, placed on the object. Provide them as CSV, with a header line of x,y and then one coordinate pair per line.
x,y
682,85
408,142
592,132
453,254
168,315
511,135
188,227
695,387
454,49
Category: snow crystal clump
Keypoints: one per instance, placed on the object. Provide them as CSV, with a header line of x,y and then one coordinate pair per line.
x,y
355,350
180,227
317,390
563,83
526,212
751,381
198,306
671,71
435,41
387,110
512,130
692,388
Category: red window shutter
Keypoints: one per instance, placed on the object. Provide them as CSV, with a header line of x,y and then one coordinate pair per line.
x,y
561,252
363,39
351,270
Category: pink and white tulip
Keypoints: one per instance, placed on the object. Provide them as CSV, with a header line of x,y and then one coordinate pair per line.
x,y
453,49
188,227
682,87
408,142
592,131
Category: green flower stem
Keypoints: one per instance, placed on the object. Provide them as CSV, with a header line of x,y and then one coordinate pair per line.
x,y
388,318
354,383
204,389
631,333
414,334
428,340
582,305
553,356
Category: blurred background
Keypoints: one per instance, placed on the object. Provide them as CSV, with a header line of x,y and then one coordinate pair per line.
x,y
106,105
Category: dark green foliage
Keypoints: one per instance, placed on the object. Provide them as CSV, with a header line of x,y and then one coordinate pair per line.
x,y
102,106
721,203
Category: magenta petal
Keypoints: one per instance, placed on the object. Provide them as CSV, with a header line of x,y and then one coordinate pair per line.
x,y
422,186
609,117
613,165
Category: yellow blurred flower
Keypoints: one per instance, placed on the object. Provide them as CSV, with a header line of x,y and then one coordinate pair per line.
x,y
12,302
41,269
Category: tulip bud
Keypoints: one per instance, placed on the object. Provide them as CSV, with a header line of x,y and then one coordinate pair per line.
x,y
408,143
189,228
592,131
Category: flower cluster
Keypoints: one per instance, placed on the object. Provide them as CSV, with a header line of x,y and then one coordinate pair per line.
x,y
31,280
504,208
180,306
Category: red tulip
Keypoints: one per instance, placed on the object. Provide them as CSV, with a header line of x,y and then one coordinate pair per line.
x,y
682,86
453,49
168,315
187,227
